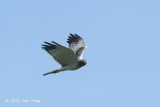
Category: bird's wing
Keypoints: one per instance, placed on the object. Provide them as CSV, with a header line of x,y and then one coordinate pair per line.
x,y
77,44
61,54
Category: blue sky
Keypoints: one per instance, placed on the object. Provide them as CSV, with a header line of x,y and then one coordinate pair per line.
x,y
123,53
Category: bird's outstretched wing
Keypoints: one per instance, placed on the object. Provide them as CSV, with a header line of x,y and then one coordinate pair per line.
x,y
77,44
61,54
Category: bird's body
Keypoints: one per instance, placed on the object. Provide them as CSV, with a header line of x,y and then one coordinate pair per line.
x,y
70,58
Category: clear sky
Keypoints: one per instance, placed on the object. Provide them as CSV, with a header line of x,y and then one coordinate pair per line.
x,y
123,53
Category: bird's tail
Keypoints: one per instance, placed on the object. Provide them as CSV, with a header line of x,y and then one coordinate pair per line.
x,y
54,71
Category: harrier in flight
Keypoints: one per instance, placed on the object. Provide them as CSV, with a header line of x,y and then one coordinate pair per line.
x,y
70,58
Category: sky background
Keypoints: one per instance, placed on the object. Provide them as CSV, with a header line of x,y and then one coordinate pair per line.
x,y
123,53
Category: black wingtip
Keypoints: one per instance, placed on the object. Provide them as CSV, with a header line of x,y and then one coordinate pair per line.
x,y
76,35
47,46
73,38
55,43
71,34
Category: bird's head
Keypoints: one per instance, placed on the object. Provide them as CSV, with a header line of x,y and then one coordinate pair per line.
x,y
82,63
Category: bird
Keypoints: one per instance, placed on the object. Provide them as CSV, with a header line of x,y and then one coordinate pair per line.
x,y
70,58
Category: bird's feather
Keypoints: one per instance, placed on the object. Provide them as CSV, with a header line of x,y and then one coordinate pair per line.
x,y
77,44
61,54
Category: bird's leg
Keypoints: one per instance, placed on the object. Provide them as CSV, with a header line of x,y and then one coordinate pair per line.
x,y
55,71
